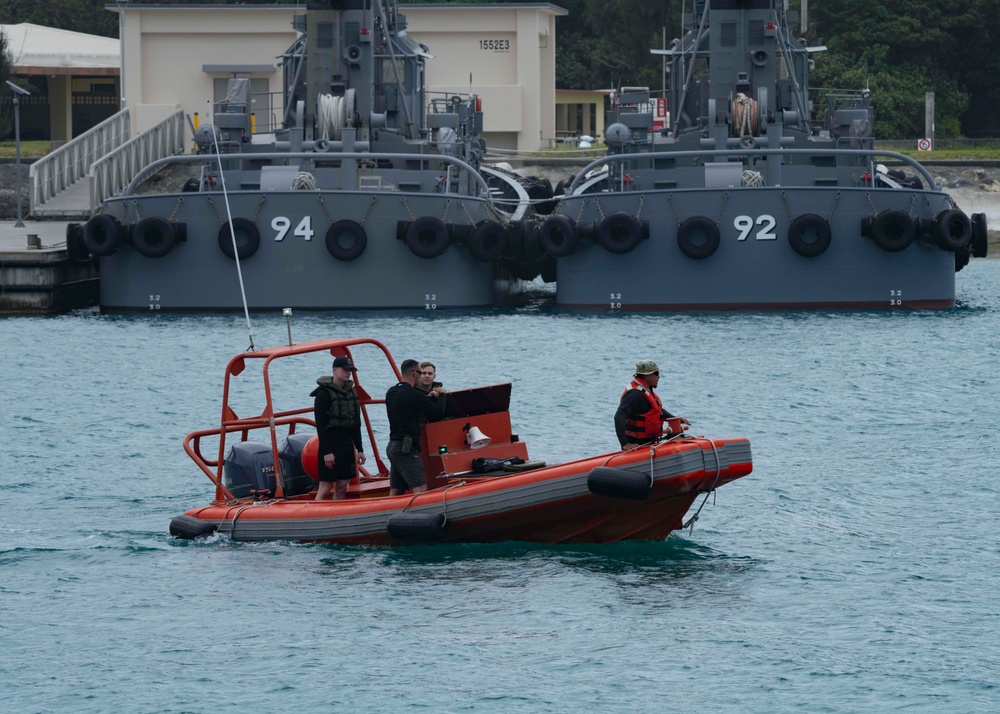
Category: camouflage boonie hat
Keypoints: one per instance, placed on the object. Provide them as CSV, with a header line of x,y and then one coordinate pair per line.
x,y
646,366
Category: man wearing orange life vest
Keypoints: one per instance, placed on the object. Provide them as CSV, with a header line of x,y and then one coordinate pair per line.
x,y
640,416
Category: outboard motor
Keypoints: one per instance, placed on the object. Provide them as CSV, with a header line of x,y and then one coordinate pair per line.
x,y
293,474
248,467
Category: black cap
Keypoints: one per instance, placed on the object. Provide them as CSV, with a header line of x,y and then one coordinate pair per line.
x,y
344,363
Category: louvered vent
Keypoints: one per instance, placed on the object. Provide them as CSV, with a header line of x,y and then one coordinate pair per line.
x,y
756,30
728,34
352,33
324,35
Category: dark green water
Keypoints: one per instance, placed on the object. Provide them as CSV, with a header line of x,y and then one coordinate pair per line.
x,y
856,569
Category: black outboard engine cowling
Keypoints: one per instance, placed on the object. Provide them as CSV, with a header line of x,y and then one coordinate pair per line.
x,y
248,467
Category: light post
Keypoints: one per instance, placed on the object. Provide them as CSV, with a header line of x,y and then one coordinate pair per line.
x,y
17,92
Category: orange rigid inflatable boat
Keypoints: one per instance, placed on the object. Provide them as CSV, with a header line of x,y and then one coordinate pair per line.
x,y
263,490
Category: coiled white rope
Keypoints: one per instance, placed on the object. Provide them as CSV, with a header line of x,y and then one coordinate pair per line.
x,y
331,115
304,181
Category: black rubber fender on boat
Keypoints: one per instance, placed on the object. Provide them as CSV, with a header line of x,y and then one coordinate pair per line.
x,y
488,242
417,527
558,236
619,483
346,240
980,236
619,233
809,235
154,237
427,237
698,237
247,238
188,527
103,235
893,230
952,230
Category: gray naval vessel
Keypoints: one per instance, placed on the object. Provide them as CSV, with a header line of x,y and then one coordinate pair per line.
x,y
370,195
742,200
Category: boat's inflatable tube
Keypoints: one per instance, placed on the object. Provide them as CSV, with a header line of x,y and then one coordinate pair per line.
x,y
893,230
346,240
488,241
417,527
427,237
189,527
980,236
154,237
558,236
809,235
247,238
952,230
698,237
619,233
619,483
103,235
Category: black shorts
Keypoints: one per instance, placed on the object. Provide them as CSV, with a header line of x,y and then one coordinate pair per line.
x,y
344,467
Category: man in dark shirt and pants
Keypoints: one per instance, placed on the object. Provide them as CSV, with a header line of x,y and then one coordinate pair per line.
x,y
338,425
408,408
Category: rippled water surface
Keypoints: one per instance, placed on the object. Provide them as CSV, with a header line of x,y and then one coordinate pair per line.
x,y
857,568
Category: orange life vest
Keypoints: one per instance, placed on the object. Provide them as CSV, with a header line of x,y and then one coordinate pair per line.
x,y
647,426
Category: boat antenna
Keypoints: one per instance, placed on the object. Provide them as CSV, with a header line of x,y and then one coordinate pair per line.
x,y
232,235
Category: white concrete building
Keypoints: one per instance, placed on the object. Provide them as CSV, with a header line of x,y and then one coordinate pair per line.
x,y
177,55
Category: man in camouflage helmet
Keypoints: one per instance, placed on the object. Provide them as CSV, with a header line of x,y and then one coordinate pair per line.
x,y
640,416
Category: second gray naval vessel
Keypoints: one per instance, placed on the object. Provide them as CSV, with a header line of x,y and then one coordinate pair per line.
x,y
743,200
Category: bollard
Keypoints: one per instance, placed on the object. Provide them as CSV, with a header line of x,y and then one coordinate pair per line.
x,y
34,242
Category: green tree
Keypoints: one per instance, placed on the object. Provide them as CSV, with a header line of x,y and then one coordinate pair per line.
x,y
7,104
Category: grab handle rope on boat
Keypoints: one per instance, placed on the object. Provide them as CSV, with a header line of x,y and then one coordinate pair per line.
x,y
444,499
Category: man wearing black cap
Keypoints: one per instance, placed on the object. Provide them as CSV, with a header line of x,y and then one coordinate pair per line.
x,y
407,408
338,424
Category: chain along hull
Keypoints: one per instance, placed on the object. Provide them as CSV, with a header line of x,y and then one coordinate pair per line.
x,y
549,505
293,263
756,264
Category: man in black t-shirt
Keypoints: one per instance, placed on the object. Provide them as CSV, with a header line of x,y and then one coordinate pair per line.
x,y
407,408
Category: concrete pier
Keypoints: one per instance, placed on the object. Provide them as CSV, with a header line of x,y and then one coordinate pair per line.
x,y
39,275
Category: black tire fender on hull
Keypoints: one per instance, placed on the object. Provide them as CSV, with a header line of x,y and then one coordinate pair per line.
x,y
980,236
558,236
619,483
426,237
189,527
417,527
893,230
247,238
356,241
698,237
154,237
809,235
620,233
103,235
488,242
952,230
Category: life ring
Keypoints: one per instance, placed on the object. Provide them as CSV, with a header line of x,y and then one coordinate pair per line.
x,y
558,236
619,483
427,237
154,237
488,241
893,230
247,238
980,236
952,230
698,237
809,235
619,233
103,235
346,231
